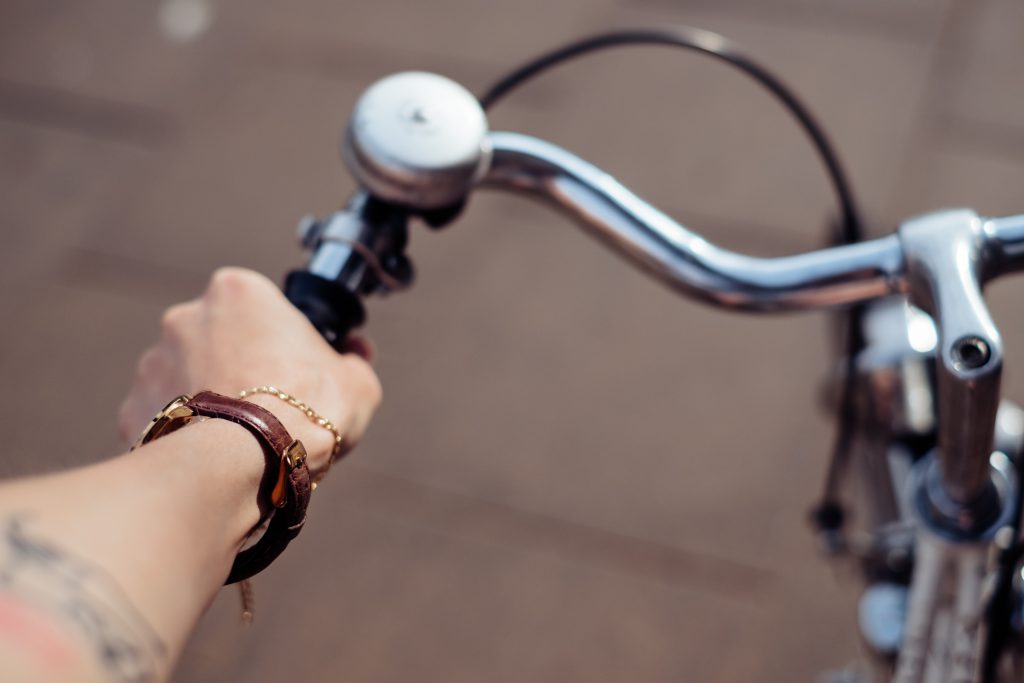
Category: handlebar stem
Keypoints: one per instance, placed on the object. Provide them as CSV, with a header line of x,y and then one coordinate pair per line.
x,y
945,259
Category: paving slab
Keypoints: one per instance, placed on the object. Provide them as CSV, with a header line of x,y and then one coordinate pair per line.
x,y
458,31
865,89
51,183
983,85
913,21
955,174
68,352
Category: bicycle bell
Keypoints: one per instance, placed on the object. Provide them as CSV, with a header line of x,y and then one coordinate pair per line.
x,y
417,143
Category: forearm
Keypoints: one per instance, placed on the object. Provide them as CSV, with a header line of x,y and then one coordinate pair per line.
x,y
105,570
121,558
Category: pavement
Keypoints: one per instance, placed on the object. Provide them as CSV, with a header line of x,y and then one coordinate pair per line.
x,y
575,475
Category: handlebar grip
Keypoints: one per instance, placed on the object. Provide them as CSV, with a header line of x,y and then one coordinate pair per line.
x,y
332,309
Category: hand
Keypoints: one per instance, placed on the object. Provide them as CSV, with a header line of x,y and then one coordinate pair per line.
x,y
243,333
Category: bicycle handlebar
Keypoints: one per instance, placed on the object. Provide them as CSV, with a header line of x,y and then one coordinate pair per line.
x,y
683,259
419,146
939,260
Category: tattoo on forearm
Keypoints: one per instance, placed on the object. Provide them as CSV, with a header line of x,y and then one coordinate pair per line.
x,y
85,597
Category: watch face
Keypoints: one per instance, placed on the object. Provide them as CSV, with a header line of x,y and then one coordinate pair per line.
x,y
174,415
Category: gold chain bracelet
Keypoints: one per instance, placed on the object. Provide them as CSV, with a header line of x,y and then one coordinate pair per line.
x,y
245,586
314,417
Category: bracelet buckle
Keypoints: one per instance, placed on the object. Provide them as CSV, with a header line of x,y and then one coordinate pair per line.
x,y
294,456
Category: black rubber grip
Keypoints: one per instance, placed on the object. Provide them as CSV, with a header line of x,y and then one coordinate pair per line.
x,y
333,309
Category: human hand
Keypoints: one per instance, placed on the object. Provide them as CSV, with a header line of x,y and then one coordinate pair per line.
x,y
243,333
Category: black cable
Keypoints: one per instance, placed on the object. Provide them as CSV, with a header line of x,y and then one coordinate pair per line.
x,y
723,49
829,513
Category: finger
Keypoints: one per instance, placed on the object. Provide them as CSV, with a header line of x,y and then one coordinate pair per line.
x,y
180,321
150,366
156,381
231,283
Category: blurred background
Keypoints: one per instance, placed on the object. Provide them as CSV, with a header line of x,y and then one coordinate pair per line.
x,y
575,475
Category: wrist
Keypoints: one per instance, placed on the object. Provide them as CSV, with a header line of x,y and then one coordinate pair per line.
x,y
318,441
231,464
285,483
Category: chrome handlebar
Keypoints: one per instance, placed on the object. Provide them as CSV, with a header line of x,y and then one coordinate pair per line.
x,y
681,258
419,144
684,260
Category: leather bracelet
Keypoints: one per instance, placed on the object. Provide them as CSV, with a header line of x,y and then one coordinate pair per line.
x,y
286,473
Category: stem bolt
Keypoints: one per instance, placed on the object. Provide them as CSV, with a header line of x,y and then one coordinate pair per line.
x,y
971,353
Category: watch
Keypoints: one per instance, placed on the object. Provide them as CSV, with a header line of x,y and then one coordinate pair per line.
x,y
286,473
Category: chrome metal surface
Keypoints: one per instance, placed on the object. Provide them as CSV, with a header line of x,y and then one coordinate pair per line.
x,y
417,139
334,259
895,404
894,382
1009,436
946,608
954,252
881,615
943,625
1004,246
944,257
354,246
894,330
660,245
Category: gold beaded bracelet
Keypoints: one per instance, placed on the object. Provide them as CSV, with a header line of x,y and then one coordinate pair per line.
x,y
313,416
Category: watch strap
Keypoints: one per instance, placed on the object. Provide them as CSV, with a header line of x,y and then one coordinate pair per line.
x,y
286,468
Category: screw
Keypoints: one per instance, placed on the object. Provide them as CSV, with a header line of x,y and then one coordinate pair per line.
x,y
971,352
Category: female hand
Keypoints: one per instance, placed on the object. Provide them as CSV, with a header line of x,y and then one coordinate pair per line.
x,y
243,333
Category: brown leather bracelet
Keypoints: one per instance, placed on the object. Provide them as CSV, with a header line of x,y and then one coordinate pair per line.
x,y
286,473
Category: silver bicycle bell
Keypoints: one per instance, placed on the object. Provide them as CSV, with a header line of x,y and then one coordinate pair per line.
x,y
417,144
417,139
